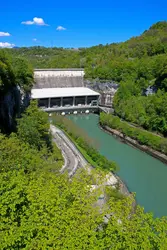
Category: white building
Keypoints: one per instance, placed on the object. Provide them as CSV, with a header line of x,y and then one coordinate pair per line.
x,y
59,99
62,90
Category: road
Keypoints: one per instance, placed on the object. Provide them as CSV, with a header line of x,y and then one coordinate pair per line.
x,y
73,159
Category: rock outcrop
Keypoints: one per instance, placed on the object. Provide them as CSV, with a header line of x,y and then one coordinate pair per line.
x,y
107,89
12,104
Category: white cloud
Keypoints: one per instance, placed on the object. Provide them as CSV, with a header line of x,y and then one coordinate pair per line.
x,y
4,33
28,22
36,21
60,28
6,45
34,39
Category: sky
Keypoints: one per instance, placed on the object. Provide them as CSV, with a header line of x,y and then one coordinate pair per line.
x,y
76,23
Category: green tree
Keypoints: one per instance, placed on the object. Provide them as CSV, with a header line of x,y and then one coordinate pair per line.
x,y
7,77
33,127
23,73
48,211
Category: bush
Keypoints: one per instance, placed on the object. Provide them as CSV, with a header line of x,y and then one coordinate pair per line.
x,y
83,141
142,136
33,127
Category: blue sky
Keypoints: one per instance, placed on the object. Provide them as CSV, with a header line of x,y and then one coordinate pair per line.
x,y
86,22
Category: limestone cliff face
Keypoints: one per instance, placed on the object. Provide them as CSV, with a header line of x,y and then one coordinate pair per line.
x,y
107,89
11,105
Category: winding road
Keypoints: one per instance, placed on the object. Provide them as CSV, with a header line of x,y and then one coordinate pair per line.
x,y
73,159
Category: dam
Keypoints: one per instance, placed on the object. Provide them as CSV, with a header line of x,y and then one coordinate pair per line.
x,y
63,91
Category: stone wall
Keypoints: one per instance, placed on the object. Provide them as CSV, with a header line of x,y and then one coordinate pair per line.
x,y
107,89
162,157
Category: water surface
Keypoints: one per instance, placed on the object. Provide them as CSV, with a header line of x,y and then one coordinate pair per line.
x,y
143,174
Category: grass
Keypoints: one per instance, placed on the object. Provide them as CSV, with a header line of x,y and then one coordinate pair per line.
x,y
82,151
84,144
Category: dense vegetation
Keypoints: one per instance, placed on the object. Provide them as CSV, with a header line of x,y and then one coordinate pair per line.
x,y
142,136
41,57
82,141
43,209
112,61
149,111
135,64
14,71
16,80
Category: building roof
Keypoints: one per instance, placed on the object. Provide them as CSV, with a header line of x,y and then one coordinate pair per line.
x,y
63,69
61,92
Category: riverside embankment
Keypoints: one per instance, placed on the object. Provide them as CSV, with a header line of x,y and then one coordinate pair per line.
x,y
73,159
143,174
135,143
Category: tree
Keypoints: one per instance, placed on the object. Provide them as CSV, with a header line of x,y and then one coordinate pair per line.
x,y
7,77
48,211
33,127
16,79
127,230
23,73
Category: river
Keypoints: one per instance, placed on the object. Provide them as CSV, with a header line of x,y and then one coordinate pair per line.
x,y
143,174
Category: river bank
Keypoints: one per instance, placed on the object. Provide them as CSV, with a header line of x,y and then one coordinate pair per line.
x,y
143,174
135,143
113,179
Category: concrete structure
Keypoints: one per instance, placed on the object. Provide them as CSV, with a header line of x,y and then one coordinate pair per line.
x,y
107,90
58,78
58,72
63,91
66,99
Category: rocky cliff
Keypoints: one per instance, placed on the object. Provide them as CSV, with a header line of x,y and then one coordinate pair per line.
x,y
12,104
107,89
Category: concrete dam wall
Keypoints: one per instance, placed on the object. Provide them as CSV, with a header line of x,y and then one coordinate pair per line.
x,y
58,78
70,78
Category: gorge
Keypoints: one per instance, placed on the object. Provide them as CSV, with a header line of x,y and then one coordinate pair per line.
x,y
48,201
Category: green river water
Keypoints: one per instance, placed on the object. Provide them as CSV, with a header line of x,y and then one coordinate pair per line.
x,y
143,174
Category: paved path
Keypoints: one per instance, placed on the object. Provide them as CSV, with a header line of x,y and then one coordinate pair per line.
x,y
73,159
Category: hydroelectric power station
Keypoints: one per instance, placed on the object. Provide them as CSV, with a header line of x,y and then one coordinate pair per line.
x,y
56,90
63,91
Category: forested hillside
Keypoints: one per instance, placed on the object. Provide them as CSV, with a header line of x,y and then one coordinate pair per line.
x,y
136,64
43,209
111,61
16,80
41,57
